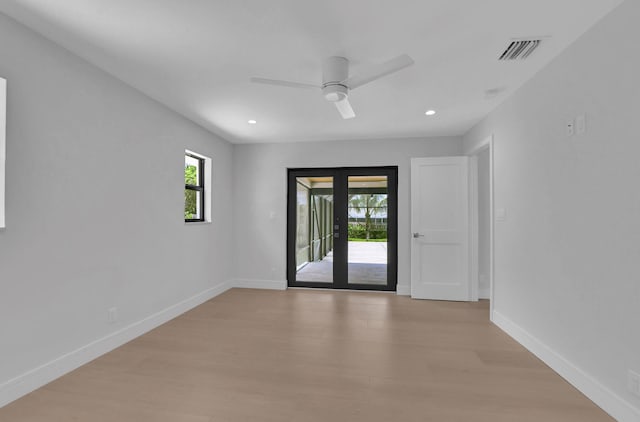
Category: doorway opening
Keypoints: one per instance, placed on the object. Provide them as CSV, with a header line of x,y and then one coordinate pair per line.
x,y
342,228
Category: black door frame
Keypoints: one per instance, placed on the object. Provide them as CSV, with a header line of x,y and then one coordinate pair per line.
x,y
340,247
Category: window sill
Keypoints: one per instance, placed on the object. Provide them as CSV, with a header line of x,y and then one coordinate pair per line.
x,y
196,223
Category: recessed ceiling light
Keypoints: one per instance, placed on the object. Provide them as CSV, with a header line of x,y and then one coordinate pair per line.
x,y
430,112
252,122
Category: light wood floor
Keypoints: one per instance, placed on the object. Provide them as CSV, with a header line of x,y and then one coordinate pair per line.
x,y
303,355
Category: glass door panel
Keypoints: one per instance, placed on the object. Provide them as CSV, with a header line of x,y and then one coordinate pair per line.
x,y
314,232
367,251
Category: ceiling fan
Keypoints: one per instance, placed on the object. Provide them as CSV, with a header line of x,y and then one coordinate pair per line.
x,y
336,82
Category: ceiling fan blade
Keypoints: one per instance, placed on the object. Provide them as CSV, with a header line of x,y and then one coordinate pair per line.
x,y
378,71
284,83
345,109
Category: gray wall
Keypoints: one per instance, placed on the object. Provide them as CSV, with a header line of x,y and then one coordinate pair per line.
x,y
95,205
567,258
260,203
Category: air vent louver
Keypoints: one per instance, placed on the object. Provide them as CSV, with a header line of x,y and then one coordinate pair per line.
x,y
519,49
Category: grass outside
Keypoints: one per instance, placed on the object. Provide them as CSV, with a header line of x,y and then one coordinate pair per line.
x,y
354,239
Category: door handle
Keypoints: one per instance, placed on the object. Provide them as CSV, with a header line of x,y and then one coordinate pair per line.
x,y
417,235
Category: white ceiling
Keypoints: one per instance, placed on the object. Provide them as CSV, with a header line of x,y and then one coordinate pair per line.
x,y
197,57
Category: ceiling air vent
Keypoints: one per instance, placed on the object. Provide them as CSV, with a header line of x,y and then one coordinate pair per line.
x,y
520,49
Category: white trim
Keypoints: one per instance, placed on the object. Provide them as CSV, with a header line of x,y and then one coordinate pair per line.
x,y
473,275
610,402
260,284
37,377
208,182
403,290
3,147
488,143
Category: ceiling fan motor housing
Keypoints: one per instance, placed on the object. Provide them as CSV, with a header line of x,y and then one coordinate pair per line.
x,y
334,71
334,93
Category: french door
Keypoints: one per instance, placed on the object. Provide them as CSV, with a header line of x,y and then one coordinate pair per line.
x,y
342,228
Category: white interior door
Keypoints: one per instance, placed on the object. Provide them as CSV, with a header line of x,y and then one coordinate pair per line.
x,y
440,219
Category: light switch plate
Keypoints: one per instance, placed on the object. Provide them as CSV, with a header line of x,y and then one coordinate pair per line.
x,y
570,128
112,315
581,124
633,383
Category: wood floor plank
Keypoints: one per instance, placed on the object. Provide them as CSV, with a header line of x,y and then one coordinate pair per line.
x,y
310,355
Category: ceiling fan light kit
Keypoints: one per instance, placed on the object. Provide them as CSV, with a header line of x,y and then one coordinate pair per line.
x,y
336,82
334,92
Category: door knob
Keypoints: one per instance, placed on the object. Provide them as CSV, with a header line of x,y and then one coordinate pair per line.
x,y
417,235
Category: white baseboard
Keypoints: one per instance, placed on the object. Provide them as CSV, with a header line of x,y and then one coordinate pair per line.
x,y
610,402
403,290
260,284
42,375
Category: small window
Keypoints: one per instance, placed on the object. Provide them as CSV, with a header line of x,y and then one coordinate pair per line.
x,y
194,188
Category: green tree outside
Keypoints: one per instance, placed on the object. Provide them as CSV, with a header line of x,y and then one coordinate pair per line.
x,y
371,204
190,198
